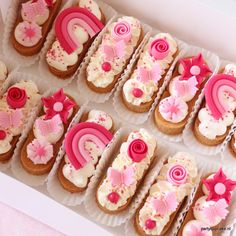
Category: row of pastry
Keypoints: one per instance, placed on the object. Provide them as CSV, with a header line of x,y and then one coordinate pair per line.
x,y
119,183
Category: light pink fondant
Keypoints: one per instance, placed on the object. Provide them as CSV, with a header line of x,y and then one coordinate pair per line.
x,y
122,31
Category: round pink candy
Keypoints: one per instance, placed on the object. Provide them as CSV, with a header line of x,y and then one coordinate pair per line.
x,y
106,66
2,134
137,92
150,224
58,106
195,70
220,188
177,175
113,197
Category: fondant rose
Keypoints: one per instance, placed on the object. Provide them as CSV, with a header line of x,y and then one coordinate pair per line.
x,y
159,49
137,150
177,175
16,97
121,31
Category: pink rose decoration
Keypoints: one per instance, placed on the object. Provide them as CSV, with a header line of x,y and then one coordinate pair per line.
x,y
40,151
159,49
16,97
173,109
137,150
177,175
121,31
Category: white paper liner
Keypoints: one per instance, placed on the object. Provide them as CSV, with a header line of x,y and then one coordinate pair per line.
x,y
10,69
16,166
8,49
213,62
191,141
119,106
206,168
109,14
82,86
54,187
13,78
90,198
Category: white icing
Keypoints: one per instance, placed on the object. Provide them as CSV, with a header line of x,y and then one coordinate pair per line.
x,y
198,212
5,144
92,6
101,118
210,127
51,137
95,73
80,177
162,186
196,224
120,162
230,69
3,71
147,61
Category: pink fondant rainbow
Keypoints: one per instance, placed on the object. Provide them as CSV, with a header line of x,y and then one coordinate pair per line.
x,y
214,88
77,137
70,17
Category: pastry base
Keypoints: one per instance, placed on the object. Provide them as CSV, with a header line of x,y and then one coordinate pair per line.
x,y
168,127
30,51
204,140
232,147
72,69
108,88
41,169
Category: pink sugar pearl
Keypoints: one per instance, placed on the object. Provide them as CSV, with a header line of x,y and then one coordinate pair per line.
x,y
106,66
150,224
137,92
113,197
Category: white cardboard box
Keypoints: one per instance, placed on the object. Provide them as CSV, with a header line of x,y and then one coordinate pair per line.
x,y
206,23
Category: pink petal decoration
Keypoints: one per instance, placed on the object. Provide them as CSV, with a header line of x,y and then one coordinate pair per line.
x,y
11,119
112,52
145,75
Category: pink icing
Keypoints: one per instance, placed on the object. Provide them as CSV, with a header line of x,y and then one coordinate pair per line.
x,y
75,16
177,175
159,49
137,92
150,224
195,66
16,97
113,197
58,103
76,138
121,178
33,9
186,87
51,126
145,75
216,210
111,52
195,229
2,134
39,151
28,34
215,86
173,108
121,31
106,66
219,187
11,119
166,204
137,150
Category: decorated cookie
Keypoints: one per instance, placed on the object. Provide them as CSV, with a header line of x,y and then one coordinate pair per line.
x,y
174,183
140,89
117,46
15,107
33,23
210,205
126,172
217,113
177,102
75,29
44,140
84,145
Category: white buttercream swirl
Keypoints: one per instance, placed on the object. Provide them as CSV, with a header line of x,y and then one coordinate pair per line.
x,y
5,144
147,61
92,6
121,161
95,73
